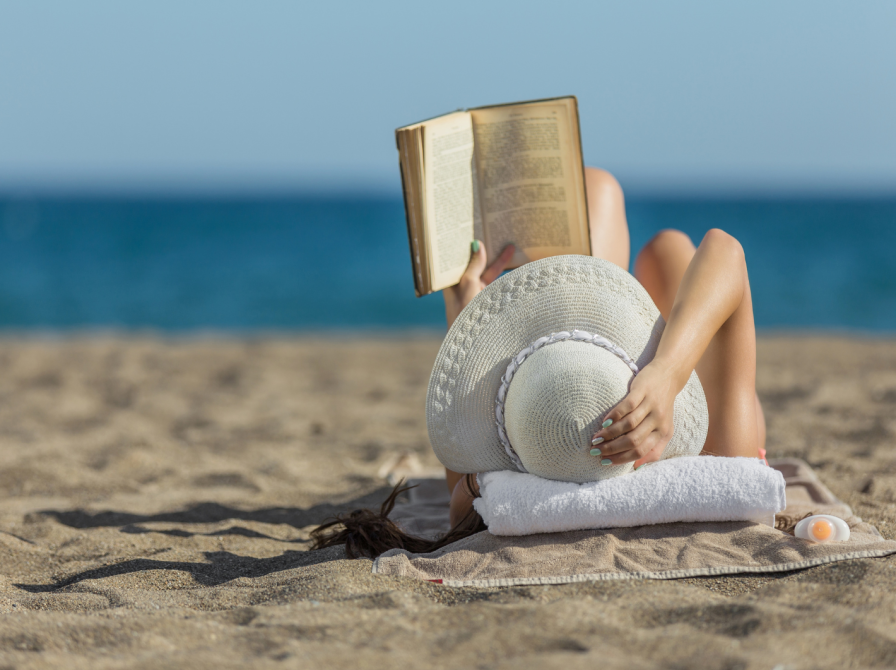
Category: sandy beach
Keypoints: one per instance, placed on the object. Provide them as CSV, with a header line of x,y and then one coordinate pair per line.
x,y
156,498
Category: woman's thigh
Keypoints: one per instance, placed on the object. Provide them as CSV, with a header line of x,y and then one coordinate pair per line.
x,y
606,217
727,369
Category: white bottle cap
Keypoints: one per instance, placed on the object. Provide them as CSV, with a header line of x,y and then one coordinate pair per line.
x,y
822,528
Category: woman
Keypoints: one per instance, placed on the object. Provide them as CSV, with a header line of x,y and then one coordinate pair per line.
x,y
703,294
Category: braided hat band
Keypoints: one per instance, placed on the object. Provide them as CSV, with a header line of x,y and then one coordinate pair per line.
x,y
517,361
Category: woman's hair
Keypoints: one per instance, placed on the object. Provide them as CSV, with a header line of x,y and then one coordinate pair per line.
x,y
366,533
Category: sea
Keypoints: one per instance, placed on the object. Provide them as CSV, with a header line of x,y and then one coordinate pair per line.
x,y
340,264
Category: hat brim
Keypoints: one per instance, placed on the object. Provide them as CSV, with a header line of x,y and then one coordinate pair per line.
x,y
540,298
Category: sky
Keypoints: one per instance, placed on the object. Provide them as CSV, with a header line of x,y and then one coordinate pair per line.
x,y
679,97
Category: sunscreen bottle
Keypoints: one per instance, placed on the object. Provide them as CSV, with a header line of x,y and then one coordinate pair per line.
x,y
822,528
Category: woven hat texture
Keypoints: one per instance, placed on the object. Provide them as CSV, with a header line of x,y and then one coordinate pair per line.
x,y
561,393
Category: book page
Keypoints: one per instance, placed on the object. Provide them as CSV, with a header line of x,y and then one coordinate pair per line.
x,y
448,173
530,180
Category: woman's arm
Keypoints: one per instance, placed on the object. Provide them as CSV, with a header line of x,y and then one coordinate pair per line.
x,y
476,277
711,291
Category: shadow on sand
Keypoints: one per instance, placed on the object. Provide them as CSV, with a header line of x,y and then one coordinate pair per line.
x,y
222,566
211,512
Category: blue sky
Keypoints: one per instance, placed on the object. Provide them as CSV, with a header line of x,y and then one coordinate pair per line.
x,y
675,97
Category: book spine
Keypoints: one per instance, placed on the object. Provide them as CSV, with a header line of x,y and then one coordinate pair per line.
x,y
410,211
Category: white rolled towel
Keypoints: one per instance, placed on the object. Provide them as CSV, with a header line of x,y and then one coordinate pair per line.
x,y
689,488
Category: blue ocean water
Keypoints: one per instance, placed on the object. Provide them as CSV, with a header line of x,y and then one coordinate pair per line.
x,y
342,263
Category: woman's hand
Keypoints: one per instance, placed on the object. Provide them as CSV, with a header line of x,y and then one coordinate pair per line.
x,y
641,424
475,278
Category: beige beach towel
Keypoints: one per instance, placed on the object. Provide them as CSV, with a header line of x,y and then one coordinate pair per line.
x,y
666,551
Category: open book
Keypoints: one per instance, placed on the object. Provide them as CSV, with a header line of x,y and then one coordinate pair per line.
x,y
505,174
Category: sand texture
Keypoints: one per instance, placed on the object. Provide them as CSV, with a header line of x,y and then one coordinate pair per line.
x,y
156,498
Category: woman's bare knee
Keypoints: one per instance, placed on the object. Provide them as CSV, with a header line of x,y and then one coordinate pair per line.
x,y
668,242
661,264
731,250
725,243
603,184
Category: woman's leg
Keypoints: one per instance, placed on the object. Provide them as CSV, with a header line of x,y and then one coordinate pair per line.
x,y
727,370
606,217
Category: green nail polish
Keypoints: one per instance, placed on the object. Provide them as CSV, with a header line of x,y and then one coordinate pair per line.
x,y
606,461
595,452
607,423
475,246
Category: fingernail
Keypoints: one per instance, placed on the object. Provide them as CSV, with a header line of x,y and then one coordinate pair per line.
x,y
607,423
595,452
596,441
475,246
606,461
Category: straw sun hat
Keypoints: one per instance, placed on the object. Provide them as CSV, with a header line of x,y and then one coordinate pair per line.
x,y
534,363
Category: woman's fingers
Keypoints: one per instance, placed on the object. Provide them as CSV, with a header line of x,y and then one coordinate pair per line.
x,y
476,266
500,264
631,446
628,441
625,406
626,416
